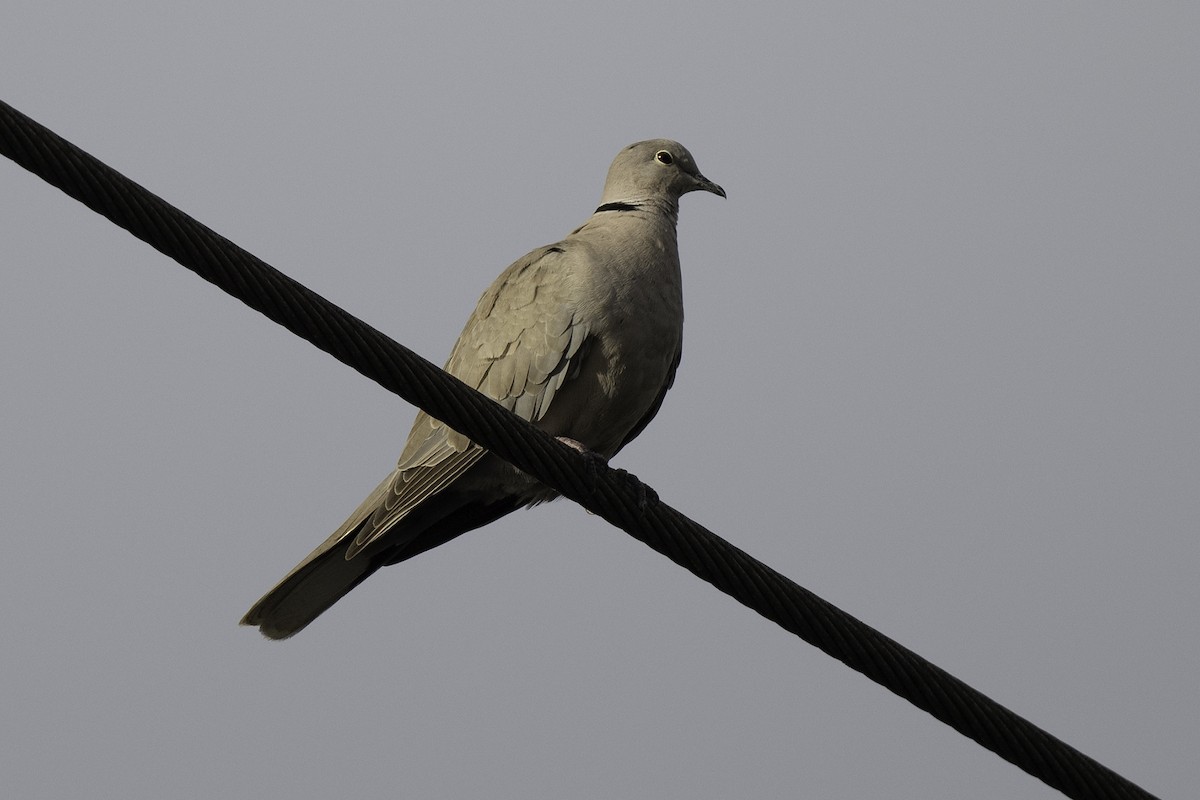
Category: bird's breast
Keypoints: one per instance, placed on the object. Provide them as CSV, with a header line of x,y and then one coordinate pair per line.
x,y
635,333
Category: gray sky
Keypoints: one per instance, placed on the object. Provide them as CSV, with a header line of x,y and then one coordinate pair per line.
x,y
940,367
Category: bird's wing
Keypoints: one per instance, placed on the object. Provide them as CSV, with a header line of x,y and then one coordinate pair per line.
x,y
523,341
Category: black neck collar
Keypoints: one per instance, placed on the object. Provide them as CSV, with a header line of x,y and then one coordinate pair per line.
x,y
618,207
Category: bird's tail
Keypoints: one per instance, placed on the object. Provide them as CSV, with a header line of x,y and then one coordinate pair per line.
x,y
330,571
315,585
321,579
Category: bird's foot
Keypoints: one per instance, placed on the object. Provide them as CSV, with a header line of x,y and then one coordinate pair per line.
x,y
578,446
593,459
645,495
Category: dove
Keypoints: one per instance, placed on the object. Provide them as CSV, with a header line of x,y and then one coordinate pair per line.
x,y
581,337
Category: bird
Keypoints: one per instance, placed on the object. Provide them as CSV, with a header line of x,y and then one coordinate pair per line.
x,y
581,337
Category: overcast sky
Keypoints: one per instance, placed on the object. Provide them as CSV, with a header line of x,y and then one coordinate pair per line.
x,y
941,366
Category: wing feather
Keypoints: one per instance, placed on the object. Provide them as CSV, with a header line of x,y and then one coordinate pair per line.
x,y
520,345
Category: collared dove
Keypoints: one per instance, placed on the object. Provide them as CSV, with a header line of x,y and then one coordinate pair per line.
x,y
581,337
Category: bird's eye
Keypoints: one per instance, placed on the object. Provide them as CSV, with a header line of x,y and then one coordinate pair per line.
x,y
663,157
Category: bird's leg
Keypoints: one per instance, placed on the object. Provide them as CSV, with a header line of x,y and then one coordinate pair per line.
x,y
645,495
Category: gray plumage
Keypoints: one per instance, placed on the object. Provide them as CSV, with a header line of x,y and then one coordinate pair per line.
x,y
581,337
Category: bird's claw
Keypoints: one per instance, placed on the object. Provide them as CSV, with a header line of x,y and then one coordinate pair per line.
x,y
645,495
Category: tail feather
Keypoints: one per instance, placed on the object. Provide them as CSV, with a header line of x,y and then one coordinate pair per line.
x,y
328,573
308,592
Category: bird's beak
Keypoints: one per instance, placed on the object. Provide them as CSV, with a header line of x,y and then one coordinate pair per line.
x,y
704,184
